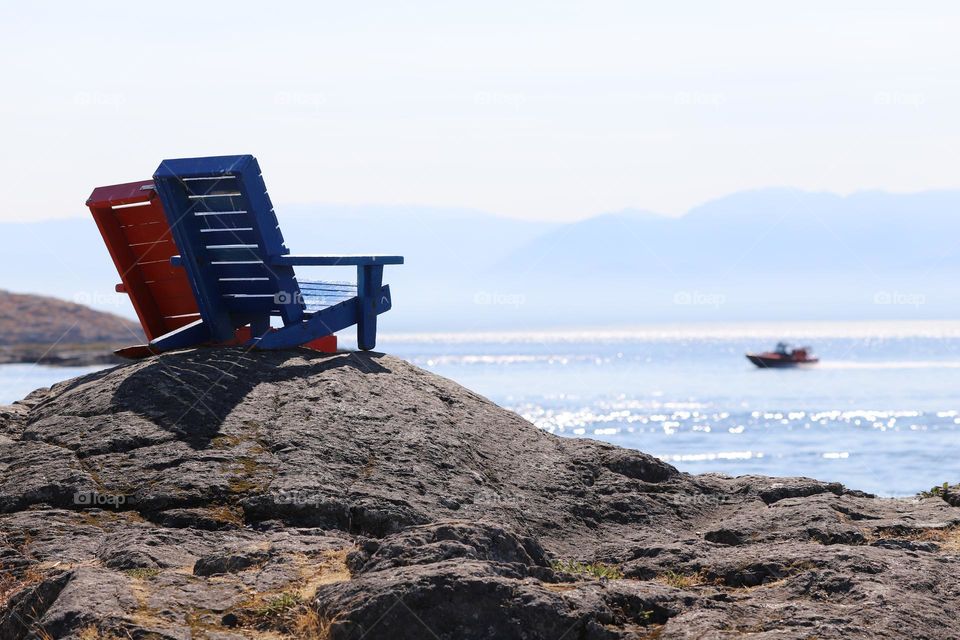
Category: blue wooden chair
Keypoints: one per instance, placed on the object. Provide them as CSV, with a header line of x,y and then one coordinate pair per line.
x,y
242,273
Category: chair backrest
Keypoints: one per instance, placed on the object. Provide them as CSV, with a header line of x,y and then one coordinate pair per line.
x,y
223,222
133,225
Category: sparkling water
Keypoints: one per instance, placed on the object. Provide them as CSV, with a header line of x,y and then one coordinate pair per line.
x,y
878,413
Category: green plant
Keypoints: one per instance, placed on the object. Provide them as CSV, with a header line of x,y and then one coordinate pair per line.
x,y
941,491
592,569
680,580
278,606
141,573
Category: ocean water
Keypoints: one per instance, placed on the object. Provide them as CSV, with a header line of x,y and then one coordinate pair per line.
x,y
18,380
879,413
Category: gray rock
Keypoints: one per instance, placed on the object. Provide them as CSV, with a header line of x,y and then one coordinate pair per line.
x,y
229,562
224,494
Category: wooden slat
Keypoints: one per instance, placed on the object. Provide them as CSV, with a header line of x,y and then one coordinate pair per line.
x,y
241,271
228,236
170,288
126,193
176,306
223,220
247,286
176,323
153,251
160,271
151,232
232,254
140,215
217,204
202,187
251,305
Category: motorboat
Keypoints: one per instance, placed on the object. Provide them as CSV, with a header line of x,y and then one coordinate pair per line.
x,y
783,355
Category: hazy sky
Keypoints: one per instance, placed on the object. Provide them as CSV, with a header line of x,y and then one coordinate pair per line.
x,y
542,110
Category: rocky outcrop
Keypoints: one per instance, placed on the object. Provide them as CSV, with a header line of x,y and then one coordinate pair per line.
x,y
44,330
223,494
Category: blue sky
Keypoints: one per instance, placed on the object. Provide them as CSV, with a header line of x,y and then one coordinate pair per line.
x,y
540,110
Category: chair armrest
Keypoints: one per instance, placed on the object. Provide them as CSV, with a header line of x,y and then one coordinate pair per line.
x,y
333,261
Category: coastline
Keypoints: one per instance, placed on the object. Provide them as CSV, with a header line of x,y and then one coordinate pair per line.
x,y
60,355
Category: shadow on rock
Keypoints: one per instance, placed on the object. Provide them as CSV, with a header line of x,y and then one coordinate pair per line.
x,y
191,395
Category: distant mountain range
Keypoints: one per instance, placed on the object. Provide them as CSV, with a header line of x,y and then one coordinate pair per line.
x,y
756,255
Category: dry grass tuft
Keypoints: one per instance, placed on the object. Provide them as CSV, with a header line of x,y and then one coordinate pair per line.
x,y
142,573
948,538
12,584
289,612
684,580
309,624
589,570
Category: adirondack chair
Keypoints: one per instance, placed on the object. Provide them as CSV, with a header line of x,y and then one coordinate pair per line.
x,y
218,239
135,230
242,273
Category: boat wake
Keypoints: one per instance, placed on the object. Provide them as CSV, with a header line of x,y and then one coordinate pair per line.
x,y
893,364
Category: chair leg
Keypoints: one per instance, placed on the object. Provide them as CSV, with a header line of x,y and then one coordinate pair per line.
x,y
324,322
369,282
260,326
